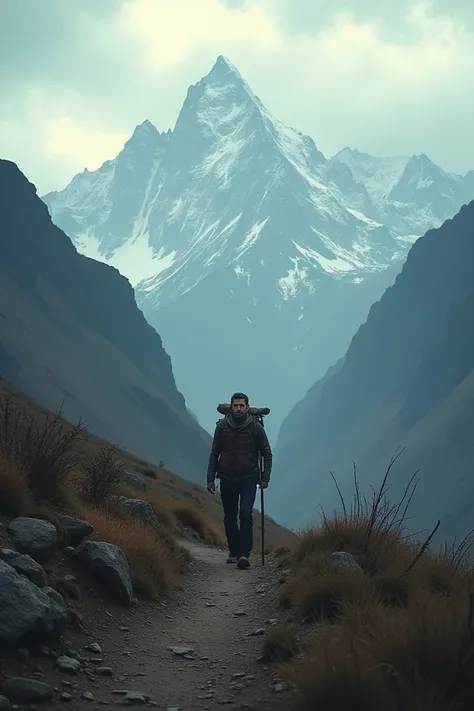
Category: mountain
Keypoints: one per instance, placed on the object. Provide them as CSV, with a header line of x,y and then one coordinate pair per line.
x,y
407,380
253,255
70,330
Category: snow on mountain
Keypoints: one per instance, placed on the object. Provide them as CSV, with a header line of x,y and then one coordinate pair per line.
x,y
254,256
378,175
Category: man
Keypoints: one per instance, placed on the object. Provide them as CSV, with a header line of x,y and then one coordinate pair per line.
x,y
238,440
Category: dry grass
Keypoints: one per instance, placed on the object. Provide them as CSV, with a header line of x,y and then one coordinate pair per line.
x,y
191,517
281,643
45,469
43,452
15,495
154,557
396,635
161,506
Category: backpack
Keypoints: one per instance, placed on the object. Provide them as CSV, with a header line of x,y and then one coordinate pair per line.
x,y
258,413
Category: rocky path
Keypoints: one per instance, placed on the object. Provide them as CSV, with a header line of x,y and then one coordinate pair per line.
x,y
201,654
197,652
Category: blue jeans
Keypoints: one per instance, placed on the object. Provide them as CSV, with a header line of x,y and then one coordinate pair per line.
x,y
239,538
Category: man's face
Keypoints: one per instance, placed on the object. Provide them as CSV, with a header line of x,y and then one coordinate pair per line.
x,y
239,407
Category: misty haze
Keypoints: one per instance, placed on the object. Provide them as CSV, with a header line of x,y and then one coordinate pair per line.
x,y
207,209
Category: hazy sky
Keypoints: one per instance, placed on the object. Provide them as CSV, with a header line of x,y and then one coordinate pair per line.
x,y
383,76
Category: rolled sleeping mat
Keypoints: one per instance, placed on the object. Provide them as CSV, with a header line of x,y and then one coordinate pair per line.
x,y
224,408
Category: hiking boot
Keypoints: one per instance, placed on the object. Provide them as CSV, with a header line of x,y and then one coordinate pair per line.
x,y
243,562
232,559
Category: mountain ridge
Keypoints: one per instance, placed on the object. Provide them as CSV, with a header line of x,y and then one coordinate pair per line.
x,y
233,213
71,331
407,379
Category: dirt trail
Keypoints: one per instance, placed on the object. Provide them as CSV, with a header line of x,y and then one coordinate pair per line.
x,y
222,671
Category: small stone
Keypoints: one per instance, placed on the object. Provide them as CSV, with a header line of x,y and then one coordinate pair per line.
x,y
279,688
258,632
104,671
88,696
65,696
181,651
94,648
239,613
135,698
68,665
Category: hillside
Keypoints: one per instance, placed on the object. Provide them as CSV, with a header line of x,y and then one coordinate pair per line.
x,y
71,333
234,229
406,380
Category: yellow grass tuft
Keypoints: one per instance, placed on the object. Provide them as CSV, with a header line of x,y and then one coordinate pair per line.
x,y
191,517
15,496
281,643
397,634
154,558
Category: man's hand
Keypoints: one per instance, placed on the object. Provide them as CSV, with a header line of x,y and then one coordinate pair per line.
x,y
263,484
211,487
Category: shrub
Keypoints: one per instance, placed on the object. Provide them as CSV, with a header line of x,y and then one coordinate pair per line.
x,y
101,475
44,449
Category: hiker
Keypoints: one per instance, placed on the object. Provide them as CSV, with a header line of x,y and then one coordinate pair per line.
x,y
234,459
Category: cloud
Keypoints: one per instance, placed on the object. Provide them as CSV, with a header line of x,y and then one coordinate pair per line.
x,y
387,78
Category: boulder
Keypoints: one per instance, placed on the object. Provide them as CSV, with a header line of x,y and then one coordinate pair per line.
x,y
142,510
34,537
27,614
55,595
25,565
27,691
74,530
109,563
136,481
344,560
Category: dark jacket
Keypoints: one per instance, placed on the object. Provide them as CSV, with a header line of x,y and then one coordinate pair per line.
x,y
236,448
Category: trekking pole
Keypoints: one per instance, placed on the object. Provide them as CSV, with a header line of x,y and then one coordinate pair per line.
x,y
262,513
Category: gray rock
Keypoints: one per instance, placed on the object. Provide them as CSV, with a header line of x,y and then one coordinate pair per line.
x,y
74,530
27,613
94,647
25,565
104,671
135,698
344,560
142,510
69,551
136,481
26,691
109,563
88,696
35,537
54,595
181,651
68,665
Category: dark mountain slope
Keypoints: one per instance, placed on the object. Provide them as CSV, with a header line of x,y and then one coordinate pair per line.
x,y
70,330
407,379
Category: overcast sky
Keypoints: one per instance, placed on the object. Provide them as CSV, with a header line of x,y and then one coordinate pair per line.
x,y
385,77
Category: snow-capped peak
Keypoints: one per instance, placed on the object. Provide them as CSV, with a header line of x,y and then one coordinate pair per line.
x,y
222,64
